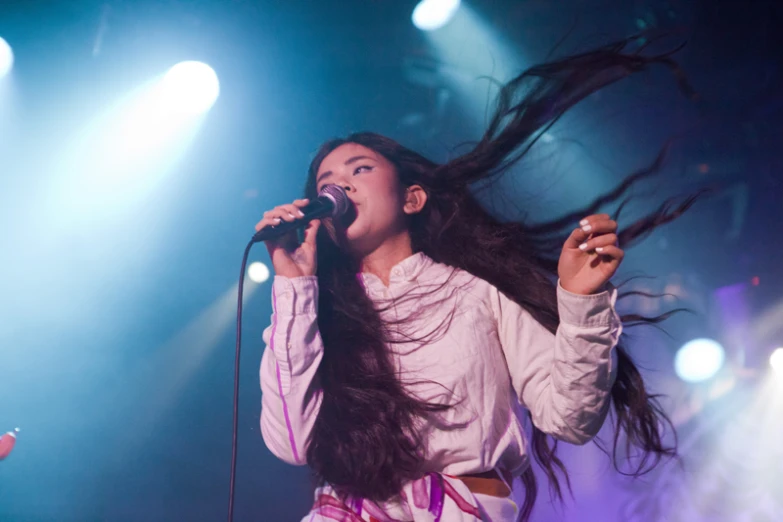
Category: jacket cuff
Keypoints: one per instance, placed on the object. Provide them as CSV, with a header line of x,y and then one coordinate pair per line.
x,y
295,295
587,310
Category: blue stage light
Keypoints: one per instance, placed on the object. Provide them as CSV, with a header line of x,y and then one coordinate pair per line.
x,y
429,15
191,87
6,58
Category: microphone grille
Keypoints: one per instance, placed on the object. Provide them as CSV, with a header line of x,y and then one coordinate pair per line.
x,y
338,196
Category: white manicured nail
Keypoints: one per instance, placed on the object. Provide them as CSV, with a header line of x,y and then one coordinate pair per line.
x,y
583,246
587,228
583,222
599,249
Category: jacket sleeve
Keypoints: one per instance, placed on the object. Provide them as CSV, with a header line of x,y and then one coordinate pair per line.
x,y
565,378
290,397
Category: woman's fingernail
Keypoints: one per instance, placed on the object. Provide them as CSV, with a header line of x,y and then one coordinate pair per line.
x,y
277,220
583,222
599,249
583,246
587,228
301,214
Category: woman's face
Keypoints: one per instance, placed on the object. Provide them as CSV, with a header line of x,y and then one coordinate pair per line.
x,y
372,184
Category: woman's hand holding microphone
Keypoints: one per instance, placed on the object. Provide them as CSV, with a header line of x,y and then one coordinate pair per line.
x,y
289,257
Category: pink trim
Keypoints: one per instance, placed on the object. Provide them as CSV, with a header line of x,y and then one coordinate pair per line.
x,y
280,380
332,508
356,505
462,503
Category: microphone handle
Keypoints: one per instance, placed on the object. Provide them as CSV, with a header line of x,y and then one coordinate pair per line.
x,y
319,208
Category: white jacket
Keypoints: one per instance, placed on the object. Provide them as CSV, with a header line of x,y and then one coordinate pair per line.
x,y
492,361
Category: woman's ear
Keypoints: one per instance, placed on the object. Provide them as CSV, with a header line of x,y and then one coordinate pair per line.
x,y
415,199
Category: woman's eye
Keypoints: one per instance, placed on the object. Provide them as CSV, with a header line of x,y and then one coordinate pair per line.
x,y
359,169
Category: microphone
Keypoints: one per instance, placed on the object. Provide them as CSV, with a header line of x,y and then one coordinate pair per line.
x,y
331,201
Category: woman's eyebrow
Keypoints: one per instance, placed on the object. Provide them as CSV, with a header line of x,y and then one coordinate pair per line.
x,y
328,173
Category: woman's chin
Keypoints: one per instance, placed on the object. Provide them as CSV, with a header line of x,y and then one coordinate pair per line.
x,y
357,240
354,233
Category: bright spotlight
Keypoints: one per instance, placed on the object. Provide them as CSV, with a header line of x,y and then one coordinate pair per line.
x,y
6,58
699,360
258,272
776,361
190,87
429,15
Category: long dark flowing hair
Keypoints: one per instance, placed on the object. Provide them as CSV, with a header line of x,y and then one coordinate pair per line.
x,y
364,441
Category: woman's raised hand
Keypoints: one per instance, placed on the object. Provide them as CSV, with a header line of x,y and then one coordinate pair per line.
x,y
590,256
289,257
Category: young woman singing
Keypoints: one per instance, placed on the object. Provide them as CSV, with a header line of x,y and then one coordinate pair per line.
x,y
422,350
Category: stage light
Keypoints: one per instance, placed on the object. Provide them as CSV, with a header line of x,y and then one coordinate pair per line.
x,y
776,361
126,151
190,87
429,15
6,58
258,272
699,360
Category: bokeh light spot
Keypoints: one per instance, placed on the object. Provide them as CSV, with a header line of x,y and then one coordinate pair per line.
x,y
699,360
258,272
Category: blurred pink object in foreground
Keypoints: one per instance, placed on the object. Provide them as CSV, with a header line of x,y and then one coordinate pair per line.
x,y
7,442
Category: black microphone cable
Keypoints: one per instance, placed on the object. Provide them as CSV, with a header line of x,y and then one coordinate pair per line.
x,y
235,431
340,204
